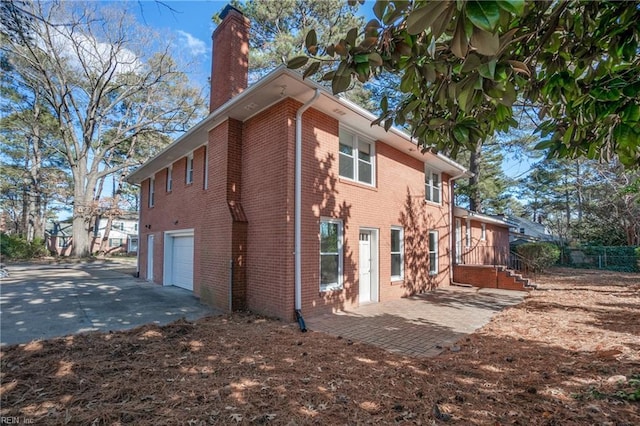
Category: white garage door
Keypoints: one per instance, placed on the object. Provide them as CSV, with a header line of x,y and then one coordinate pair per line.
x,y
182,262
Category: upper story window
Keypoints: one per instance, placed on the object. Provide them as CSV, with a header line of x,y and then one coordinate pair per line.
x,y
152,191
356,157
169,178
189,177
432,185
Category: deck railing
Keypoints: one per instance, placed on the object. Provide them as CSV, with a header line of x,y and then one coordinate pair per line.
x,y
497,256
484,255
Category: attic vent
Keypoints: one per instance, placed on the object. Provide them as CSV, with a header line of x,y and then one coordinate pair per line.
x,y
339,111
251,106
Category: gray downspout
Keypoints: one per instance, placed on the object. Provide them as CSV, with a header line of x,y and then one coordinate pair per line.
x,y
298,213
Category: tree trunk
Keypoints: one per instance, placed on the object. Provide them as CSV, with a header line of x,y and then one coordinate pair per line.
x,y
107,231
475,158
83,212
80,232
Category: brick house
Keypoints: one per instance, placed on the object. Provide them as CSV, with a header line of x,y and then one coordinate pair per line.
x,y
123,235
286,198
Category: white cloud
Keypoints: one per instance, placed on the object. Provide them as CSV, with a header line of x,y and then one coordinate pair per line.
x,y
86,52
194,45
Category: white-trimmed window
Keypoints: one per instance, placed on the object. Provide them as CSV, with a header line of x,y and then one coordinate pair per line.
x,y
205,179
115,242
483,232
330,254
397,253
467,233
152,191
432,185
356,158
433,252
189,177
169,178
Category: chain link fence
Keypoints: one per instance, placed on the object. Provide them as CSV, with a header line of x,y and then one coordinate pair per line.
x,y
611,258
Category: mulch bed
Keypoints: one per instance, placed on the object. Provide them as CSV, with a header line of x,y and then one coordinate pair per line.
x,y
568,355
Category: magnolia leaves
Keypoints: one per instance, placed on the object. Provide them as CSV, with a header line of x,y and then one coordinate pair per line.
x,y
476,23
355,52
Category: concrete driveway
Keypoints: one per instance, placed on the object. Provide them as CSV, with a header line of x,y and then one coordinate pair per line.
x,y
45,301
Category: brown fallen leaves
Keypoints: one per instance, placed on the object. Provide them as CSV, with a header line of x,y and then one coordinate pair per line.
x,y
570,355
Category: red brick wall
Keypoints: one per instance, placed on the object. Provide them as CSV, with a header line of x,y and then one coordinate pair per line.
x,y
265,190
189,206
267,198
486,277
477,276
396,200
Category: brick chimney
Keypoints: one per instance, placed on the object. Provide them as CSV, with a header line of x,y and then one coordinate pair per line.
x,y
230,57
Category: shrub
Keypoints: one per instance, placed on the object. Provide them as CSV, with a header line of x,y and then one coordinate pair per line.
x,y
539,255
14,247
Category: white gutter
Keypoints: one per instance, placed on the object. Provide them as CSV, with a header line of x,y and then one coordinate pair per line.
x,y
298,202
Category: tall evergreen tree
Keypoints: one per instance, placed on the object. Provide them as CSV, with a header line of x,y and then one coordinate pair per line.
x,y
488,191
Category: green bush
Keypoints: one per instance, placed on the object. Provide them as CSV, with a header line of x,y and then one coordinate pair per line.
x,y
539,255
14,247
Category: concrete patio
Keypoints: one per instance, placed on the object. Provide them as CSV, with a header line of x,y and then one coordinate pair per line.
x,y
422,325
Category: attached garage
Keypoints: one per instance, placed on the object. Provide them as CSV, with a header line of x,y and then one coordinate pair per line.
x,y
178,259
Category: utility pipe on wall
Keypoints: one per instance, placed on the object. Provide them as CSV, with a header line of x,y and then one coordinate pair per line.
x,y
298,211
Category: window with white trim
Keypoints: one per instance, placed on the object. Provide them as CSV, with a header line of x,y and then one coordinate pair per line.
x,y
432,185
115,242
152,191
397,253
433,252
483,232
189,177
330,254
169,178
356,158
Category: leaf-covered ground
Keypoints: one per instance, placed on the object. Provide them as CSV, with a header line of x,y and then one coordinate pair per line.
x,y
568,355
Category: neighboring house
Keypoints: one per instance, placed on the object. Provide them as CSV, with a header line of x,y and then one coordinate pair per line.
x,y
123,235
285,198
523,230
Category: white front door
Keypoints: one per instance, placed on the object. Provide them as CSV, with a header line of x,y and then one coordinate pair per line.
x,y
458,241
150,258
365,266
